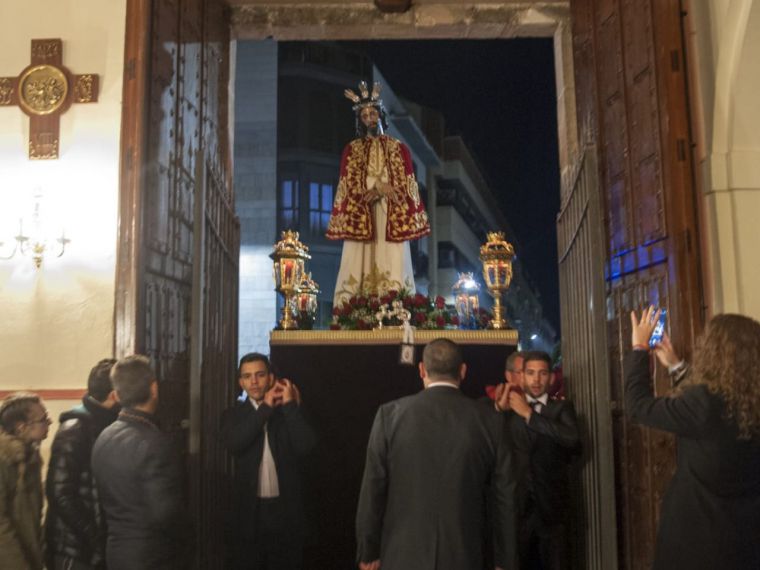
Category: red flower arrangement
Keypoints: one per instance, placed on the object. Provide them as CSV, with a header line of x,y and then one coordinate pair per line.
x,y
360,312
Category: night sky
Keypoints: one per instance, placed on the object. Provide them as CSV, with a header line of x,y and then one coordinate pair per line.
x,y
500,97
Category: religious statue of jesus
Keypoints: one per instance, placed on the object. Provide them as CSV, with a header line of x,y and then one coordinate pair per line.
x,y
377,207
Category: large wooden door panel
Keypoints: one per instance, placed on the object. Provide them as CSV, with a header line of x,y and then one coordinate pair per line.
x,y
635,109
179,237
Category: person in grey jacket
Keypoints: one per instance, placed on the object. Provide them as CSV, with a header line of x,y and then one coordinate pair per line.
x,y
139,477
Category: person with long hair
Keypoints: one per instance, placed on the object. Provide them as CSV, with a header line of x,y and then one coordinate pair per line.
x,y
710,516
24,423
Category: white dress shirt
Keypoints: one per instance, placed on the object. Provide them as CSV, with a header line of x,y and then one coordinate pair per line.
x,y
449,384
269,486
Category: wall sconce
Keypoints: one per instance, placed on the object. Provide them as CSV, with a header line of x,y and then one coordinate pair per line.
x,y
37,243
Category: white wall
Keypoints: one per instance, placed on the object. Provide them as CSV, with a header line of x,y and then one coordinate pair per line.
x,y
57,321
726,40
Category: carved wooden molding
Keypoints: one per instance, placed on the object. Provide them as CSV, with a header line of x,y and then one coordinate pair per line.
x,y
420,21
391,6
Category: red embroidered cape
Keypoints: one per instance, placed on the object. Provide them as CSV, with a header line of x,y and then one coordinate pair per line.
x,y
352,210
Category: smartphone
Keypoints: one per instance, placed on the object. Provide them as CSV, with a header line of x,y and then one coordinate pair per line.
x,y
659,330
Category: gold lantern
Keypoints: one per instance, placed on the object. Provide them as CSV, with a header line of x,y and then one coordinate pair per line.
x,y
289,256
496,255
306,301
466,300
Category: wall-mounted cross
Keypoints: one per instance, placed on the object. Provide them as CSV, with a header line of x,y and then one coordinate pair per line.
x,y
45,90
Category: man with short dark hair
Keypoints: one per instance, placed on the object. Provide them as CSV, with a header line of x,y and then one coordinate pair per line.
x,y
75,529
545,433
138,477
433,461
268,437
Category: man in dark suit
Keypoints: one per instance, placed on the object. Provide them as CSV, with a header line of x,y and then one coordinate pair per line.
x,y
268,437
433,459
545,435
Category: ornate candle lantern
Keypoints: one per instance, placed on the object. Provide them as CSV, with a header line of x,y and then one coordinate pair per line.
x,y
466,300
496,255
289,256
306,301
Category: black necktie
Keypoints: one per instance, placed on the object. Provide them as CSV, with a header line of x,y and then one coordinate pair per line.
x,y
536,406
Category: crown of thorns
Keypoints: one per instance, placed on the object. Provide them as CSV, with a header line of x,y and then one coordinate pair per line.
x,y
366,98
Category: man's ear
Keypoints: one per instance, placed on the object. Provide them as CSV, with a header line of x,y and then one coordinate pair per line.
x,y
154,389
462,371
423,372
506,376
111,400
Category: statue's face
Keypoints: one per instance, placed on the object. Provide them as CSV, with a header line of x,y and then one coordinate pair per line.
x,y
369,117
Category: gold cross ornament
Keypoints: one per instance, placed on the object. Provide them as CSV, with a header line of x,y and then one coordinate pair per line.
x,y
44,91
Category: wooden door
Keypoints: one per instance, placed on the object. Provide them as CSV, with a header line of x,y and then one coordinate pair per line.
x,y
176,293
633,106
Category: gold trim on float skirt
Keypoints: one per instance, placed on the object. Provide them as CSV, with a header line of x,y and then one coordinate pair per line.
x,y
391,336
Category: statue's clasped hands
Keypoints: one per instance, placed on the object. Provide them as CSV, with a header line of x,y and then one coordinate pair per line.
x,y
380,190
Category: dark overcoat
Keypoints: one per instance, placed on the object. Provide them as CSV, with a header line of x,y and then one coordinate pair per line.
x,y
434,460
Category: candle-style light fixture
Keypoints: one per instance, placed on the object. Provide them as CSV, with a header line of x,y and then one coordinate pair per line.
x,y
466,300
496,255
306,301
37,242
289,256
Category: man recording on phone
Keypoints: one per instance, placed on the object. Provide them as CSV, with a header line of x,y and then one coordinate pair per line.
x,y
545,435
268,437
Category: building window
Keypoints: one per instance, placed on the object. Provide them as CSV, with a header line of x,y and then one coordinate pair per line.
x,y
320,206
288,210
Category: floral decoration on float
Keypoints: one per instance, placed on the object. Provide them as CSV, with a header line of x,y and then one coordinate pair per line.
x,y
372,311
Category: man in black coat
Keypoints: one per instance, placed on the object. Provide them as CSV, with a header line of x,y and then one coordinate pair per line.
x,y
268,437
75,532
434,461
545,435
138,474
